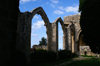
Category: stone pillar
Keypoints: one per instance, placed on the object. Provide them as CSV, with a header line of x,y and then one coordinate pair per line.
x,y
76,47
49,37
69,38
53,35
23,36
73,44
65,43
77,32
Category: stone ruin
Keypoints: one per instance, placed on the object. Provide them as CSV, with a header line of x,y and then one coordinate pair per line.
x,y
15,46
70,26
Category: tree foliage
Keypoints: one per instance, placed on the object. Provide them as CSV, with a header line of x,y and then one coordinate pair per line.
x,y
43,41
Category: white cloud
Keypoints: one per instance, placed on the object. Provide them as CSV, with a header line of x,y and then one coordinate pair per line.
x,y
72,9
58,12
54,1
34,35
36,17
37,25
24,1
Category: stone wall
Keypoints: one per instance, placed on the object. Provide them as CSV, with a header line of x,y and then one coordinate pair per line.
x,y
73,32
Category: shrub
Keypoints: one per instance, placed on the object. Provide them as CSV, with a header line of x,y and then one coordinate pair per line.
x,y
74,55
65,54
43,55
62,54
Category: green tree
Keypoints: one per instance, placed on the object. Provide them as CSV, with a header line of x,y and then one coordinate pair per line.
x,y
43,41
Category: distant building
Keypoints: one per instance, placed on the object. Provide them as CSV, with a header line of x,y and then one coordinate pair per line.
x,y
84,49
35,47
89,52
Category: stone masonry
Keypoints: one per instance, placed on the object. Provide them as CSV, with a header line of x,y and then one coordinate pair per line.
x,y
70,26
73,31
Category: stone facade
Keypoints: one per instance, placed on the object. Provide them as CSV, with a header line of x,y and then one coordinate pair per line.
x,y
87,49
73,31
70,26
43,47
24,31
15,32
54,43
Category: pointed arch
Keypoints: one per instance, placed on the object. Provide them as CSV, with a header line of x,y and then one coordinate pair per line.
x,y
78,34
74,37
59,19
42,13
24,29
55,33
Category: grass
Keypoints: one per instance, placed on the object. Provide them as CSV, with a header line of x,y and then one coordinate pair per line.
x,y
53,63
88,56
93,61
89,62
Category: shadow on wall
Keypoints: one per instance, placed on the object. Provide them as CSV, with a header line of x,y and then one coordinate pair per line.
x,y
8,25
89,21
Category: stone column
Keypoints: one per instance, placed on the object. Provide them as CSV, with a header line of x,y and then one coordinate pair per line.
x,y
23,36
76,47
69,38
77,32
53,43
65,43
49,37
73,44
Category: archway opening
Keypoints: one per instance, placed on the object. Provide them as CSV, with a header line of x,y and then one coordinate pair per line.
x,y
83,47
38,34
60,37
72,38
73,41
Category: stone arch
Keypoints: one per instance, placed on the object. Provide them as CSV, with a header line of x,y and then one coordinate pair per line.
x,y
75,38
61,22
78,35
24,30
72,27
55,33
71,37
42,13
79,38
80,42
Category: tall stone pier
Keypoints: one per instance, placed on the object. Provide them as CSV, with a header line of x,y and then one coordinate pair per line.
x,y
73,31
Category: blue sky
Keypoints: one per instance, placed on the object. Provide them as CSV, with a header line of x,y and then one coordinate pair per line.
x,y
53,9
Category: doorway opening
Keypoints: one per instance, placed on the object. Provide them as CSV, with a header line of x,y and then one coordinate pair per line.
x,y
60,37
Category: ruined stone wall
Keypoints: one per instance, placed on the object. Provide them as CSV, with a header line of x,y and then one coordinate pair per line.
x,y
74,18
73,31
